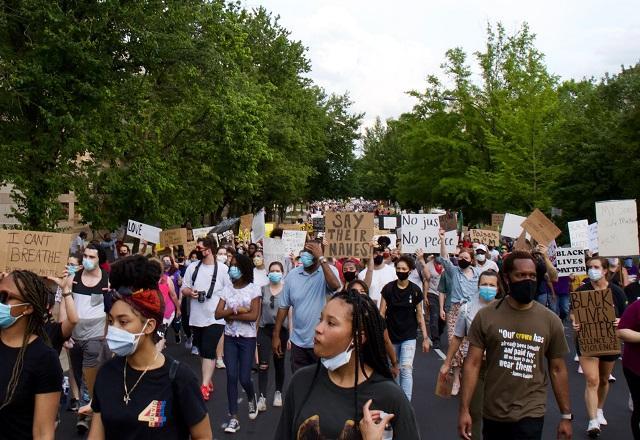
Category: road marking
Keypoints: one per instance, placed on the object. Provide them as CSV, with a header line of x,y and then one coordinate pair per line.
x,y
441,354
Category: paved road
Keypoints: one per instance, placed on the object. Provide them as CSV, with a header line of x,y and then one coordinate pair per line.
x,y
436,416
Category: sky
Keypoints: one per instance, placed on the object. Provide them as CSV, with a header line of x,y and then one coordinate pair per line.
x,y
378,50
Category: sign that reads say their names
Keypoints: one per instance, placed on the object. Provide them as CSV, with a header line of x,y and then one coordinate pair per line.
x,y
173,237
349,234
145,232
44,253
617,228
594,311
294,241
570,261
485,236
579,234
422,231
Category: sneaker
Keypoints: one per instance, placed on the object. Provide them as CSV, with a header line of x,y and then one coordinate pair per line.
x,y
253,408
580,369
82,426
262,403
576,359
233,426
612,378
220,364
188,343
195,351
204,389
277,399
600,416
593,430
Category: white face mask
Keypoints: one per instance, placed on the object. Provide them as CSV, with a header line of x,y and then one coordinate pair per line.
x,y
594,274
480,258
339,360
221,258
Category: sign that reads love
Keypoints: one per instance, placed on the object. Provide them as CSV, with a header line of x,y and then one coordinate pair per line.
x,y
421,231
570,261
173,237
44,253
594,311
485,236
348,234
145,232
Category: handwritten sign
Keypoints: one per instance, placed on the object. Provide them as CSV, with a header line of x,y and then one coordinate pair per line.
x,y
485,236
44,253
512,225
617,228
594,311
421,231
579,234
570,261
294,241
497,220
273,249
201,232
593,238
318,224
173,237
145,232
246,221
541,228
388,222
449,222
348,234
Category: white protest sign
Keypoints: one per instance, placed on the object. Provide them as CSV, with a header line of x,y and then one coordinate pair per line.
x,y
570,261
258,228
617,228
593,238
421,231
512,225
389,222
201,232
273,249
144,232
579,234
294,241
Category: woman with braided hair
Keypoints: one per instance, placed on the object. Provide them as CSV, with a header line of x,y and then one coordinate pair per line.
x,y
30,372
350,394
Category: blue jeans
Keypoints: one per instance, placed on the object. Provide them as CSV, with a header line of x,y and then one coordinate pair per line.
x,y
405,352
238,358
564,305
546,300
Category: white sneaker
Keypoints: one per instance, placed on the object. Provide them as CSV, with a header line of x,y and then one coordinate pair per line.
x,y
253,409
593,430
262,403
220,364
600,416
612,378
188,343
277,399
576,358
580,369
195,351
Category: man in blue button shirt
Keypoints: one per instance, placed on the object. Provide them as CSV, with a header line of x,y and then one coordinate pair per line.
x,y
305,289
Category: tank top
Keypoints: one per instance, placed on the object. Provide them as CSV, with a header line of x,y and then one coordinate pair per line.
x,y
163,286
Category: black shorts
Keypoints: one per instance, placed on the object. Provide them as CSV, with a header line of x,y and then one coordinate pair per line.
x,y
207,338
603,358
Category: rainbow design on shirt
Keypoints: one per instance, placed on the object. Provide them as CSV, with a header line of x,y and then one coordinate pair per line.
x,y
153,414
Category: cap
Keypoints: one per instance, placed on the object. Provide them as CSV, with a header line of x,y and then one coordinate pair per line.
x,y
481,247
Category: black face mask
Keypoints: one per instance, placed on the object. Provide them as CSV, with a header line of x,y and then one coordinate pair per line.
x,y
402,275
349,276
199,255
378,259
523,291
463,264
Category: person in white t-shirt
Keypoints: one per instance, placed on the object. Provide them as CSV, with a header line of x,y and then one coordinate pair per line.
x,y
482,261
203,282
377,274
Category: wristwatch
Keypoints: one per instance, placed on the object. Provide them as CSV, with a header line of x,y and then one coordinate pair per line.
x,y
566,416
322,260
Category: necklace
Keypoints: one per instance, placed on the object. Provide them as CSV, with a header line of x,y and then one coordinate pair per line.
x,y
127,393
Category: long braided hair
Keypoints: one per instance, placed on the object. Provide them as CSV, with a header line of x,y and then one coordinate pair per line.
x,y
35,292
367,322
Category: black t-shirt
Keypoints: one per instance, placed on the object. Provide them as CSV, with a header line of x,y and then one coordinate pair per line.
x,y
401,318
619,298
329,411
632,291
41,374
159,409
54,331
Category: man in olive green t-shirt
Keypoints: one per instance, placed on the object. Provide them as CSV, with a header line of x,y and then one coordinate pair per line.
x,y
517,334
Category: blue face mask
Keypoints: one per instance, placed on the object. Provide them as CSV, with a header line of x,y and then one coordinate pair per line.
x,y
71,269
6,320
628,263
488,293
121,342
88,264
339,360
234,273
275,277
306,259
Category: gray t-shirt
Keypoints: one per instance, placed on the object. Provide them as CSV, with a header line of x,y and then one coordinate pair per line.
x,y
468,311
270,307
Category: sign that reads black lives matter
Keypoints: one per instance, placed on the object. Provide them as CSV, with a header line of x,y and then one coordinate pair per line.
x,y
570,261
595,312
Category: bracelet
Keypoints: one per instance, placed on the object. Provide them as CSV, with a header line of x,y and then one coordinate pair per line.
x,y
65,294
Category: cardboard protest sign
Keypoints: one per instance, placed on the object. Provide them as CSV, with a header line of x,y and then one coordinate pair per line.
x,y
593,238
291,227
512,225
173,237
617,228
485,236
188,247
349,234
449,222
579,234
44,253
570,261
521,243
246,222
422,231
497,219
540,227
273,249
388,222
144,232
294,241
594,311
